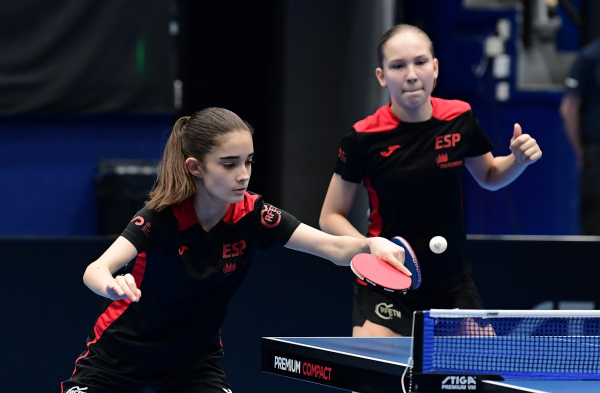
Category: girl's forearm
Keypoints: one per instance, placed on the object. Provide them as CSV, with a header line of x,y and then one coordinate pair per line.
x,y
504,171
96,278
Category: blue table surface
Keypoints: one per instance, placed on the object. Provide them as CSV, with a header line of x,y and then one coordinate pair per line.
x,y
397,350
394,350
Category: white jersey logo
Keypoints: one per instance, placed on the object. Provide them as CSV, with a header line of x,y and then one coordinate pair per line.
x,y
228,390
76,389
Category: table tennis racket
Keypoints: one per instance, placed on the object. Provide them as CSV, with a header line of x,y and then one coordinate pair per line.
x,y
410,262
379,273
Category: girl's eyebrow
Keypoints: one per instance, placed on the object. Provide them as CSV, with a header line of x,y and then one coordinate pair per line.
x,y
403,59
234,157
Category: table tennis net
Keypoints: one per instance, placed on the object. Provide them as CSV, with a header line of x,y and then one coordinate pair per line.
x,y
513,344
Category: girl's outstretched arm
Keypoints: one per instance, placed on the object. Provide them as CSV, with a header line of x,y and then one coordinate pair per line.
x,y
341,249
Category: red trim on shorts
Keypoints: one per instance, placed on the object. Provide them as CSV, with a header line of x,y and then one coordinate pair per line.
x,y
375,217
116,308
382,120
448,109
237,211
361,282
185,214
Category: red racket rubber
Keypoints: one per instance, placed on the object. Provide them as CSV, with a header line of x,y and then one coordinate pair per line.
x,y
379,273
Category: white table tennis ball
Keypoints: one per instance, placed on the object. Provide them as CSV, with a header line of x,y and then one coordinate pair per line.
x,y
438,244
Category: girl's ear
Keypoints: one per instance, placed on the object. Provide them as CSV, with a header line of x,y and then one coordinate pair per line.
x,y
380,77
193,166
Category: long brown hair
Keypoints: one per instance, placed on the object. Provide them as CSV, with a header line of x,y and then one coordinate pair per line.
x,y
192,136
401,28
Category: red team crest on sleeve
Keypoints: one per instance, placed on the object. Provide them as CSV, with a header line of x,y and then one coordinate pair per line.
x,y
270,216
138,220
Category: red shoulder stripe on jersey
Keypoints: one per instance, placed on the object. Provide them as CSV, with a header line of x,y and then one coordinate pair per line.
x,y
382,120
448,109
185,214
238,210
116,308
375,217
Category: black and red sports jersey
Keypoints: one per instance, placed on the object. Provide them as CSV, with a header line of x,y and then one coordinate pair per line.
x,y
413,175
186,276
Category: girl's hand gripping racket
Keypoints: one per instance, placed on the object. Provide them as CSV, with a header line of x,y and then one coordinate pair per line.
x,y
410,262
379,273
382,275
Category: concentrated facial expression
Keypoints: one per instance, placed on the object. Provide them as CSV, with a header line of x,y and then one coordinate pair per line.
x,y
225,171
409,69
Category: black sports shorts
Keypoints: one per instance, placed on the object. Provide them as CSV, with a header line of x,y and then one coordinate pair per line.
x,y
395,311
97,373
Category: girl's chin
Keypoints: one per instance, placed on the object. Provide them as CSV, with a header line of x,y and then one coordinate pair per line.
x,y
237,198
417,99
230,198
413,102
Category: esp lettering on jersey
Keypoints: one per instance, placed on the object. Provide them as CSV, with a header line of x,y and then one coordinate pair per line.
x,y
233,249
444,141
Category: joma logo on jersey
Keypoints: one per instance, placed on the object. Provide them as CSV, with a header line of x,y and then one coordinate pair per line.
x,y
449,140
389,151
233,249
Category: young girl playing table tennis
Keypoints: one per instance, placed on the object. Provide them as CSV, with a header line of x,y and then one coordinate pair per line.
x,y
183,257
410,156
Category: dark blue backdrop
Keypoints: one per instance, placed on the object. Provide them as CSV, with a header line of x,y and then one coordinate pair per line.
x,y
47,167
47,163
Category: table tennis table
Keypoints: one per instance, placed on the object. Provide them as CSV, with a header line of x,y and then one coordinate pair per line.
x,y
377,365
